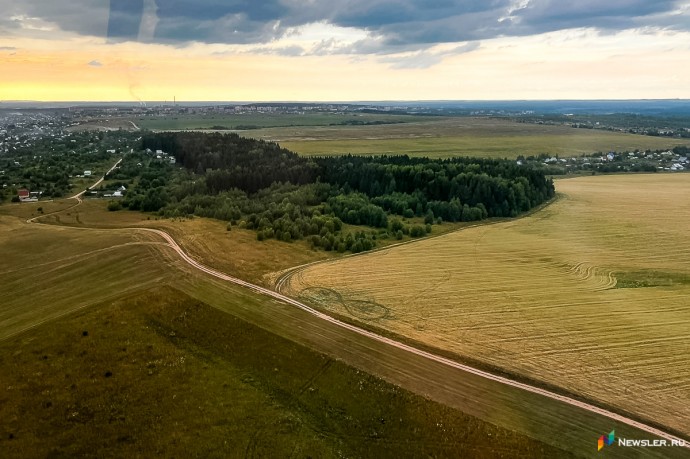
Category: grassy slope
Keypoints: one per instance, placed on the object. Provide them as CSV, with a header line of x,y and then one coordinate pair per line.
x,y
536,296
159,373
518,412
47,272
235,252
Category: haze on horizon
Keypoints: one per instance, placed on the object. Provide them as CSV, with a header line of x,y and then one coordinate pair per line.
x,y
210,50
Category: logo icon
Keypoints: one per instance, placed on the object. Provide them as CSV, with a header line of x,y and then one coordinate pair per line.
x,y
607,440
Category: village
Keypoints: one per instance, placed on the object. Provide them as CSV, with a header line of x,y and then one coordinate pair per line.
x,y
675,160
43,157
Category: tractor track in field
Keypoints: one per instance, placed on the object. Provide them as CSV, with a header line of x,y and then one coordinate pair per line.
x,y
276,295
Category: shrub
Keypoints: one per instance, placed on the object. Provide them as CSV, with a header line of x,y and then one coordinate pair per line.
x,y
417,231
114,206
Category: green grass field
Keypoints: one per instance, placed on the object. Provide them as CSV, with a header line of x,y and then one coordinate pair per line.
x,y
461,136
266,120
157,373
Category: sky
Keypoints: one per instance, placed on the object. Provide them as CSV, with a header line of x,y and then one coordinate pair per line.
x,y
346,50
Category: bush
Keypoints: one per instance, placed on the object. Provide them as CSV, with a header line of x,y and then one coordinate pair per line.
x,y
114,206
417,231
15,198
396,225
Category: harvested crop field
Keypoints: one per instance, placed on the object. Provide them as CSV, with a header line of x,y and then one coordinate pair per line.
x,y
589,294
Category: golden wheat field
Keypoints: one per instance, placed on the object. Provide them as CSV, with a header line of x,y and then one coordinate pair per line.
x,y
591,294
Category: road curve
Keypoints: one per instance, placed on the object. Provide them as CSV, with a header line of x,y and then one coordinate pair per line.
x,y
411,349
402,346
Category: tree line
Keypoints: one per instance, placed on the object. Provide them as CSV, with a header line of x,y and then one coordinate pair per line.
x,y
259,185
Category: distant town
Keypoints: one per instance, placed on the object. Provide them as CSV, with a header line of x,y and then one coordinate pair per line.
x,y
37,143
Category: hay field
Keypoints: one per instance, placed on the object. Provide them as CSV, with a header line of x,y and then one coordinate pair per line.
x,y
458,136
590,294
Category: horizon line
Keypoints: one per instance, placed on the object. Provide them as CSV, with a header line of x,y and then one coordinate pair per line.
x,y
340,102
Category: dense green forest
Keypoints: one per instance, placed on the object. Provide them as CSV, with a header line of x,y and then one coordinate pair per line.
x,y
261,186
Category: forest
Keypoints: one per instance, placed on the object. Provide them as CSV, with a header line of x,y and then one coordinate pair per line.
x,y
259,185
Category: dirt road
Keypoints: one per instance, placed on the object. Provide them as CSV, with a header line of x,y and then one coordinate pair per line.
x,y
400,350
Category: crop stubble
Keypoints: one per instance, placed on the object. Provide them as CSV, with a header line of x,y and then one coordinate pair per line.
x,y
590,294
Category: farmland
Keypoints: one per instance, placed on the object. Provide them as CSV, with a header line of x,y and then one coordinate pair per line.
x,y
101,355
265,120
589,294
458,136
134,312
89,270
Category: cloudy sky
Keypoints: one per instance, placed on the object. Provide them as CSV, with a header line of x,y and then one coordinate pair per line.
x,y
312,50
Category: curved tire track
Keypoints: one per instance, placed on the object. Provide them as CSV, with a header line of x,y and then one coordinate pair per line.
x,y
399,345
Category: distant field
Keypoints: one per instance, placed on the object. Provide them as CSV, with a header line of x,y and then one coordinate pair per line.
x,y
461,136
266,120
590,294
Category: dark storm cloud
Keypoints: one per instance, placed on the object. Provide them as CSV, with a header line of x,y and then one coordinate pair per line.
x,y
393,25
125,19
545,15
85,17
415,22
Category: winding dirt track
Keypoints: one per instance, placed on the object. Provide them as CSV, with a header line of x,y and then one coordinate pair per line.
x,y
396,344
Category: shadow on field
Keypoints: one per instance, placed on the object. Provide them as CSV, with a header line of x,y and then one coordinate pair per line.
x,y
160,374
